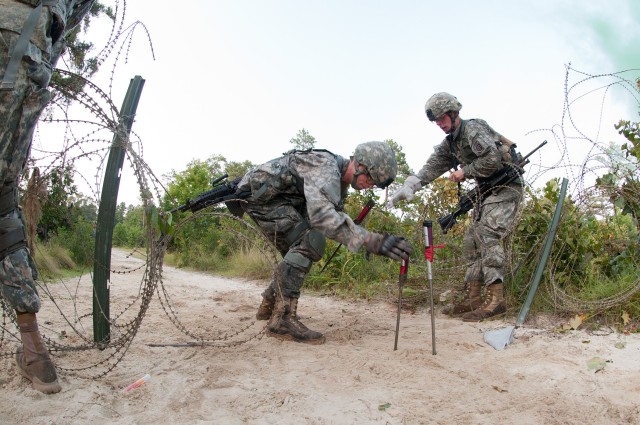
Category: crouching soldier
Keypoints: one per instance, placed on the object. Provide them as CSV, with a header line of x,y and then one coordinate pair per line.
x,y
295,200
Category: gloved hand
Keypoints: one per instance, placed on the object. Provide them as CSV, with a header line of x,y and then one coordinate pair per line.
x,y
388,245
406,192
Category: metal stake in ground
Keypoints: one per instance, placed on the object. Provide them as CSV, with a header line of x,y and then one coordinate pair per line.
x,y
500,338
428,254
404,267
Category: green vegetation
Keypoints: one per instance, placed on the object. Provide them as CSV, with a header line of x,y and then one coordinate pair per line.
x,y
592,270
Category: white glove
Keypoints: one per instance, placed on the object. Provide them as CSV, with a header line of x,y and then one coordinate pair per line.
x,y
406,192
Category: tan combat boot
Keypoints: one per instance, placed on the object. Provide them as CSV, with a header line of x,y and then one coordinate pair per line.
x,y
284,323
493,305
266,309
33,358
472,299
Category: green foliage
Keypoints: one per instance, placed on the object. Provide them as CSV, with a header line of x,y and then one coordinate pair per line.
x,y
57,207
53,261
197,178
303,141
130,231
78,241
622,184
403,168
237,169
594,254
77,55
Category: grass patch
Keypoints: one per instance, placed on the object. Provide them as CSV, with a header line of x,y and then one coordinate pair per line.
x,y
55,262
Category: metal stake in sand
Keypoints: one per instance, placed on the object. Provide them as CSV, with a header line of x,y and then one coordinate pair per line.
x,y
500,338
428,254
404,267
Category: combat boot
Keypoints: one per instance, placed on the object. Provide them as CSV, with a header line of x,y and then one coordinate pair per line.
x,y
266,306
284,323
472,299
33,359
266,309
493,305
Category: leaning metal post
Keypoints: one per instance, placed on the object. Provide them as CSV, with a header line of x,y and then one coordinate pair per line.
x,y
107,212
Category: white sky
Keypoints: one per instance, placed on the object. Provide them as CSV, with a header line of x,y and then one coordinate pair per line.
x,y
241,77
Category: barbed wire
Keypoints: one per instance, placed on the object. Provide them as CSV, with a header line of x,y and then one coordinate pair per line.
x,y
582,156
88,139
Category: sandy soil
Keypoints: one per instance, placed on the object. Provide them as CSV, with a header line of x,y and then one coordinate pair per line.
x,y
356,377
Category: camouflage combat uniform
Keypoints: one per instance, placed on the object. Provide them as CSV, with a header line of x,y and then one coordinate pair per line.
x,y
296,201
23,95
473,146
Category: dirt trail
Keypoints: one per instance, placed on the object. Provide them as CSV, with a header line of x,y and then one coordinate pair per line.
x,y
354,378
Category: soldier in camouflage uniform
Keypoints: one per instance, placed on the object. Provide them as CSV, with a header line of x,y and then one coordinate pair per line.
x,y
296,200
31,41
474,150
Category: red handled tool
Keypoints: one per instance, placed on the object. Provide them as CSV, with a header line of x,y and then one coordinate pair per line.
x,y
404,267
370,204
428,254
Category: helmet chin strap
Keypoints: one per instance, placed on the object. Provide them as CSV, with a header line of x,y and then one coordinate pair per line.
x,y
453,122
356,173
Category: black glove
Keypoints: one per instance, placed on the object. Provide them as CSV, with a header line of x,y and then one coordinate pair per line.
x,y
388,245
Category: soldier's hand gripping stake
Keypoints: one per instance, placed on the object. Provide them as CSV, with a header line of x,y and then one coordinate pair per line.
x,y
404,266
428,254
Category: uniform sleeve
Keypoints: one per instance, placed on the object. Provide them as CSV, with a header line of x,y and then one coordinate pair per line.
x,y
440,161
322,193
482,141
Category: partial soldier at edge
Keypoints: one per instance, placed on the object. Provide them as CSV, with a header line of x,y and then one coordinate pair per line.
x,y
31,42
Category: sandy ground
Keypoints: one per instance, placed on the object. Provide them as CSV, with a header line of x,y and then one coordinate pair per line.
x,y
356,377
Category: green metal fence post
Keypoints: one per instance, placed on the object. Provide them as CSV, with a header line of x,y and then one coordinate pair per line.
x,y
107,212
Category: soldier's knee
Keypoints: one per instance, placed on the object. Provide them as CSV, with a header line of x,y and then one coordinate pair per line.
x,y
317,244
298,261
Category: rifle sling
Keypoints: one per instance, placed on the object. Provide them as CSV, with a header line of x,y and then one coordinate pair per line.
x,y
20,47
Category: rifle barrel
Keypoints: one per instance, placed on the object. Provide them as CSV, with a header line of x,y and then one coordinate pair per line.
x,y
501,177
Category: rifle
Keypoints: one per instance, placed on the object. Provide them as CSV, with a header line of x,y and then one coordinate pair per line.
x,y
370,204
508,174
222,191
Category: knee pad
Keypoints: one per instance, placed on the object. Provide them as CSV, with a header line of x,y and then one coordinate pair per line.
x,y
12,236
317,243
298,261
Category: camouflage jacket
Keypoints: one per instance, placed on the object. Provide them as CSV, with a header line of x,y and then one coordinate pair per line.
x,y
473,146
313,177
47,38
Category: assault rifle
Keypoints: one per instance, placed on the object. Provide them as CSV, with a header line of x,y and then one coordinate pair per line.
x,y
222,191
508,174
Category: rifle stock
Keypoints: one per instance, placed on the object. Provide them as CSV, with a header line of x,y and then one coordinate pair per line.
x,y
508,174
222,191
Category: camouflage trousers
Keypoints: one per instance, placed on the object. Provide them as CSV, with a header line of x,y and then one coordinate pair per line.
x,y
20,109
482,243
18,288
283,221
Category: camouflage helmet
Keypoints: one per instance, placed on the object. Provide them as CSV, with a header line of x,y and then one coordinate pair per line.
x,y
441,103
379,160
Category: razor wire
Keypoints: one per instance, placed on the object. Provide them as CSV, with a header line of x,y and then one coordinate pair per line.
x,y
65,327
582,155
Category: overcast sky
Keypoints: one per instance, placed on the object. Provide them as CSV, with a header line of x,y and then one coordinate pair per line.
x,y
241,77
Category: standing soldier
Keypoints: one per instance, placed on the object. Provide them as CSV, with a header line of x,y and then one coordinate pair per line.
x,y
296,200
474,150
31,41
